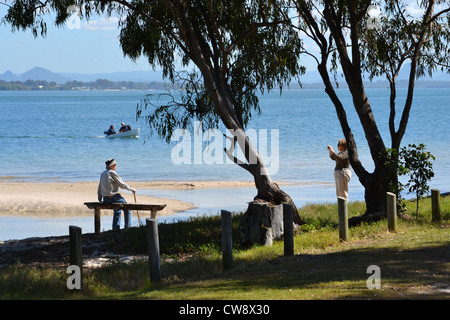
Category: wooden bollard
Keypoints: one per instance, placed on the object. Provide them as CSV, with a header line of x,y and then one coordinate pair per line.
x,y
436,206
76,252
288,229
153,250
227,240
391,206
343,219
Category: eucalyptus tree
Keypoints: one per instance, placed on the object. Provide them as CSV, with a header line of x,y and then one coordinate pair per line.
x,y
351,39
239,47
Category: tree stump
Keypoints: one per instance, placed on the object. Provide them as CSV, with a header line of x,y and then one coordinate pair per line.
x,y
262,223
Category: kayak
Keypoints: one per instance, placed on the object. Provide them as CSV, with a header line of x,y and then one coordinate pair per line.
x,y
127,134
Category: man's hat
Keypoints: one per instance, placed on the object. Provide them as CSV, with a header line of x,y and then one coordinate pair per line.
x,y
110,162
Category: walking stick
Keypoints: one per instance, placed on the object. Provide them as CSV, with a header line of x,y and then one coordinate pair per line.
x,y
139,218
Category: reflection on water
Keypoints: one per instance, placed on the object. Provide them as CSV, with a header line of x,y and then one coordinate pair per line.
x,y
12,227
207,202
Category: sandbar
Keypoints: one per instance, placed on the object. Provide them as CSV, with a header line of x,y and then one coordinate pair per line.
x,y
64,199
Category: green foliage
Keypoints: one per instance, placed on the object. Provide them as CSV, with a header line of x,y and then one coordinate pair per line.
x,y
395,169
170,112
420,169
391,37
245,46
415,162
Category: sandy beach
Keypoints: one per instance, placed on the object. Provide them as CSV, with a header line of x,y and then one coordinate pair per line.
x,y
63,199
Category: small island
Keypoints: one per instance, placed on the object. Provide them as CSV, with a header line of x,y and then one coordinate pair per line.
x,y
99,84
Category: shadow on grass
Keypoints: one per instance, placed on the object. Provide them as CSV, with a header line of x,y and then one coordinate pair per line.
x,y
415,273
405,274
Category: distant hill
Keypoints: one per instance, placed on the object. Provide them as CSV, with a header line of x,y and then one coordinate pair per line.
x,y
39,73
8,76
42,74
311,79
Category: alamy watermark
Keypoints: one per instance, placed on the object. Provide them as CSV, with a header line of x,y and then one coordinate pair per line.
x,y
374,281
74,280
207,147
74,21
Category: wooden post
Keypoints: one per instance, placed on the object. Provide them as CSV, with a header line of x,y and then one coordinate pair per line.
x,y
288,229
153,250
343,219
97,216
227,240
436,206
391,205
76,253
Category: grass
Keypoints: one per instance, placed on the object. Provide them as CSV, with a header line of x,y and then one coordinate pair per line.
x,y
414,263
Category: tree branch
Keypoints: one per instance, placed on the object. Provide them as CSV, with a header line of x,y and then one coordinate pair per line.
x,y
253,28
230,155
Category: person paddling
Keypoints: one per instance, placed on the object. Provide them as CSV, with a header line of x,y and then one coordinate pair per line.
x,y
124,128
110,131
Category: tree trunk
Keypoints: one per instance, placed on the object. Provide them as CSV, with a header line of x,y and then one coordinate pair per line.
x,y
271,193
261,224
225,107
373,183
267,190
375,197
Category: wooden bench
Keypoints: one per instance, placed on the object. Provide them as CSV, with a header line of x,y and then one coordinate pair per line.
x,y
97,206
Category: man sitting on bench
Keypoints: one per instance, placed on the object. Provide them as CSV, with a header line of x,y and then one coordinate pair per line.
x,y
108,188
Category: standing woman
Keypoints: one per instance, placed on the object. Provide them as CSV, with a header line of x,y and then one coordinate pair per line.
x,y
342,173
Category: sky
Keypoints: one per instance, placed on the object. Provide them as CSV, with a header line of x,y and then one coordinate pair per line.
x,y
79,47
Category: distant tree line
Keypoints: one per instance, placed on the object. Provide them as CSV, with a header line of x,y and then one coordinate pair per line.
x,y
100,84
103,84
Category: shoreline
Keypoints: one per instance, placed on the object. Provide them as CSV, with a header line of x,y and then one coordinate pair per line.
x,y
66,199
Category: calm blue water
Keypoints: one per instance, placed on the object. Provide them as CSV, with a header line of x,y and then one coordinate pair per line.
x,y
58,136
51,136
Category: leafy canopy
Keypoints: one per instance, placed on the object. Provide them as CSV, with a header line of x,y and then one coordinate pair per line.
x,y
393,35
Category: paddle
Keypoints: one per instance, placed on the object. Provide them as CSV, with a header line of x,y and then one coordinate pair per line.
x,y
139,218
